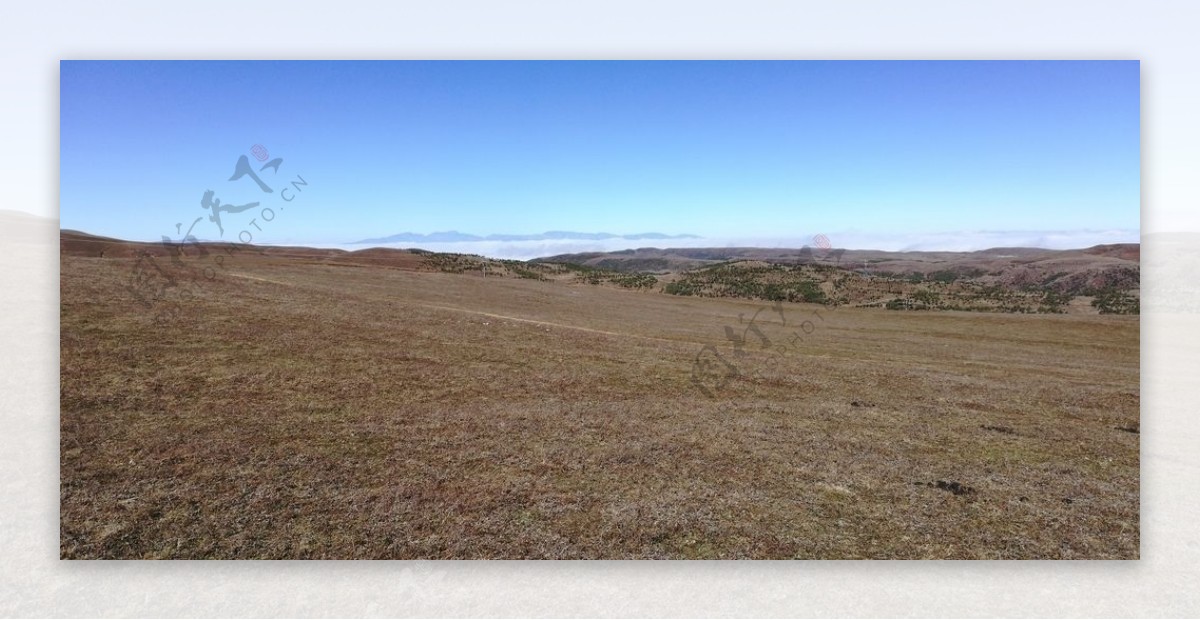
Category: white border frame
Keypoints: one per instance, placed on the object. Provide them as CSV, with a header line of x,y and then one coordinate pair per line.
x,y
35,36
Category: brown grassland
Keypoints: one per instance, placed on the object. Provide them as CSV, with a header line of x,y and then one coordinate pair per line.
x,y
306,409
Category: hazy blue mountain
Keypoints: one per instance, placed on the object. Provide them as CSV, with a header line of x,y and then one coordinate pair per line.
x,y
452,236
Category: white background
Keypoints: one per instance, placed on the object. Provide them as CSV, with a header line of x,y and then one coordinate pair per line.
x,y
34,36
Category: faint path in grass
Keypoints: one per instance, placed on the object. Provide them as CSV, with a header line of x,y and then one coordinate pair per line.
x,y
910,360
492,315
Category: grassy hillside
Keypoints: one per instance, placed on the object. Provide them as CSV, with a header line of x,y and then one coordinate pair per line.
x,y
965,290
1103,279
318,406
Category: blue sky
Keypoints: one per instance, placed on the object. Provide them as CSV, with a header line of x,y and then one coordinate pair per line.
x,y
741,151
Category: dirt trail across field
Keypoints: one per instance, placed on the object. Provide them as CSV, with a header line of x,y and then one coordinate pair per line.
x,y
488,314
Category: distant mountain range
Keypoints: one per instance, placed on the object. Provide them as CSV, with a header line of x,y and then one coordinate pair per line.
x,y
452,236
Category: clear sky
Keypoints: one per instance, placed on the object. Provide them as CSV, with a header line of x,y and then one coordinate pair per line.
x,y
725,150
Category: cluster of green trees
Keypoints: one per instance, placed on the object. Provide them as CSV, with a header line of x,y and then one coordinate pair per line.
x,y
927,297
627,280
683,287
980,298
455,263
769,283
462,263
1112,301
1054,302
806,291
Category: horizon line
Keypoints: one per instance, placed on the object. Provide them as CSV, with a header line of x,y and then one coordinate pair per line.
x,y
335,246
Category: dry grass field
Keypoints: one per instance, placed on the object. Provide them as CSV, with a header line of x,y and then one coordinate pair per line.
x,y
304,409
